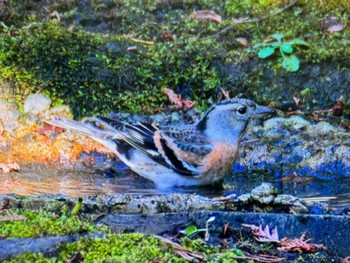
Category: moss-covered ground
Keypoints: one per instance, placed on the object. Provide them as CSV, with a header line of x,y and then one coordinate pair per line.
x,y
132,247
118,55
42,223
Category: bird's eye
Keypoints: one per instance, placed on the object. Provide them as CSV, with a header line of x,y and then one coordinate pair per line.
x,y
242,110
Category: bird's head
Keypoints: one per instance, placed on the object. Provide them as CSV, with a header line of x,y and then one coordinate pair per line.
x,y
228,120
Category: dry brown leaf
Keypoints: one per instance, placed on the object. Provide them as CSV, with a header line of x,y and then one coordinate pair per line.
x,y
207,15
243,41
264,235
225,93
299,245
9,166
177,100
5,205
50,130
189,255
56,15
182,251
296,100
224,198
338,107
335,28
346,124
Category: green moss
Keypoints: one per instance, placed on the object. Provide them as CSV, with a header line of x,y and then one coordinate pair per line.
x,y
133,247
96,73
43,223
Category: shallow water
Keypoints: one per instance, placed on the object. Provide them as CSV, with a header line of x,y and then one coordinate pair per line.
x,y
85,184
336,191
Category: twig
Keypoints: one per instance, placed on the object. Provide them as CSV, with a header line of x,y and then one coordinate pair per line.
x,y
253,20
182,251
11,217
260,258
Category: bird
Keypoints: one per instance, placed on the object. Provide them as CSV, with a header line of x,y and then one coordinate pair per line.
x,y
198,154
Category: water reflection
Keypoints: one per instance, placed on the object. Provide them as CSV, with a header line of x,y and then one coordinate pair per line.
x,y
86,184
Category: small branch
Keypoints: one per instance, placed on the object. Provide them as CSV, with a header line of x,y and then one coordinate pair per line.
x,y
253,20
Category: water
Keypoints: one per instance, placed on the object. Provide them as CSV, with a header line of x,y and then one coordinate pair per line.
x,y
89,184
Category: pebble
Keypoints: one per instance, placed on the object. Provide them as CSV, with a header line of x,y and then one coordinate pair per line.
x,y
36,104
9,116
322,128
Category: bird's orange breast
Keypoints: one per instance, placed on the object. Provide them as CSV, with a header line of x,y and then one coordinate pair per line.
x,y
219,162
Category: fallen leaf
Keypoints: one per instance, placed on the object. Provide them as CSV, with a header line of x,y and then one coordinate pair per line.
x,y
338,107
50,130
207,15
9,166
177,100
168,36
5,204
335,28
182,251
299,245
296,100
332,24
225,93
264,235
243,41
346,124
56,15
224,198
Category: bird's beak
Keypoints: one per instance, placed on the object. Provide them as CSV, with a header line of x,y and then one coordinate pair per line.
x,y
262,112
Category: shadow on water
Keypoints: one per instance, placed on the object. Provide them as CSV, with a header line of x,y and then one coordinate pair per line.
x,y
86,184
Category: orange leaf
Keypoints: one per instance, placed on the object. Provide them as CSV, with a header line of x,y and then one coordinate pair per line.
x,y
207,15
177,100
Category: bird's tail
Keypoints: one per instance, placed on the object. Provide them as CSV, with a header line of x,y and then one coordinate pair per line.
x,y
91,127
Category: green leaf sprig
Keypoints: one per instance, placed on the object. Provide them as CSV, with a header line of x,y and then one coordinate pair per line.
x,y
290,62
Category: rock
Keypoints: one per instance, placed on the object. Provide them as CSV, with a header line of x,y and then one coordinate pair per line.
x,y
273,123
286,199
295,122
63,110
264,194
321,129
9,116
264,189
244,198
36,104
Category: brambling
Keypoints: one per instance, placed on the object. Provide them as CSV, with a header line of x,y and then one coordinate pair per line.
x,y
189,155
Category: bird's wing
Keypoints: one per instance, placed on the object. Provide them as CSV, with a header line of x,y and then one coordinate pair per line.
x,y
178,149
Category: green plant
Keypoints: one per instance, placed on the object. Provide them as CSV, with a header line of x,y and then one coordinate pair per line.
x,y
289,61
193,230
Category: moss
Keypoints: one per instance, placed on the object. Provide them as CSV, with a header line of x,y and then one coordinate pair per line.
x,y
43,223
133,247
97,73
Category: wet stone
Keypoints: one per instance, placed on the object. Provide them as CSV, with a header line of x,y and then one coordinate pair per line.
x,y
9,116
286,199
265,189
244,199
36,103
